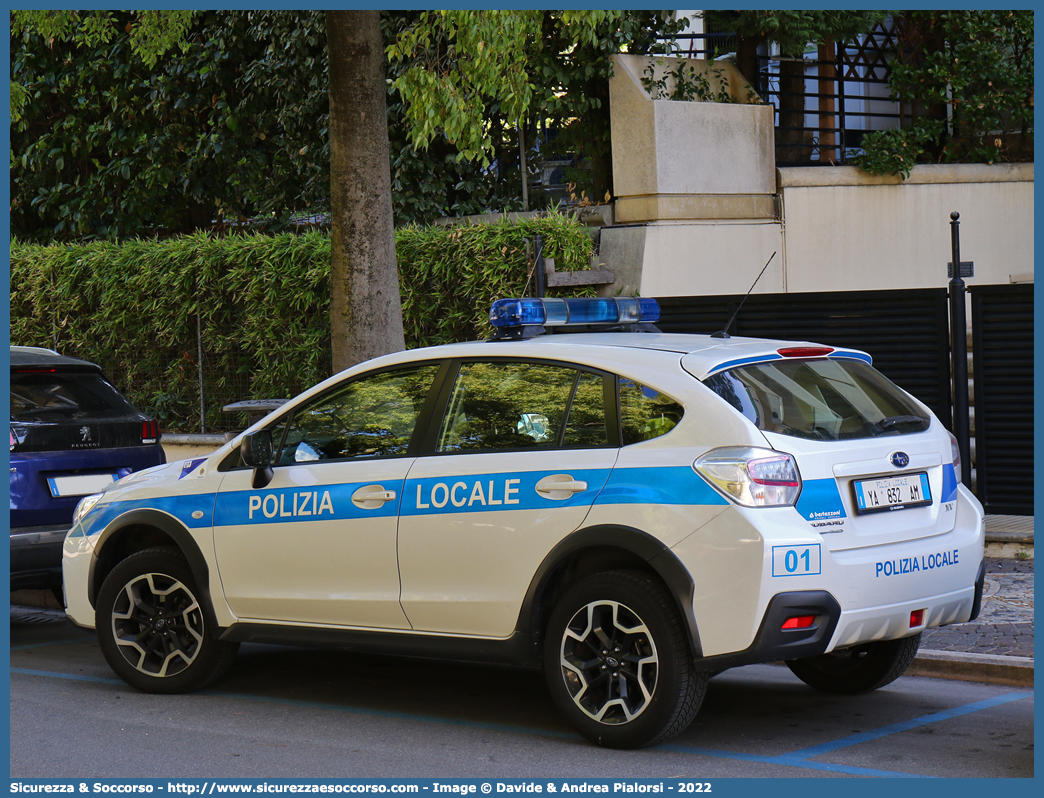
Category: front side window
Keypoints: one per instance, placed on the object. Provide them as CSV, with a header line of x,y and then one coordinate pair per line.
x,y
373,416
819,399
500,406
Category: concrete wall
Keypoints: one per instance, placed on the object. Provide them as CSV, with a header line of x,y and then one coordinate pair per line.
x,y
846,230
685,159
840,229
700,205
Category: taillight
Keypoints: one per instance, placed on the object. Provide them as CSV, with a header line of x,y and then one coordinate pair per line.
x,y
955,453
752,477
799,622
805,351
150,432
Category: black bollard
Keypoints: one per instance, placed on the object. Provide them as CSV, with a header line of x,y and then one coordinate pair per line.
x,y
959,353
538,266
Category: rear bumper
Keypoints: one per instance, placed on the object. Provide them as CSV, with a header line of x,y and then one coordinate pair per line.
x,y
892,621
36,556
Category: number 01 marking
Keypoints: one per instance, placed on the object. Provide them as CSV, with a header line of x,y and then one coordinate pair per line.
x,y
796,560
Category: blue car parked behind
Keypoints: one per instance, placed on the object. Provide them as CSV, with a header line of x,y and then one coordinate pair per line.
x,y
72,434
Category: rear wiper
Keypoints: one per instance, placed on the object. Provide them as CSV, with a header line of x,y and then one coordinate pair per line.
x,y
891,421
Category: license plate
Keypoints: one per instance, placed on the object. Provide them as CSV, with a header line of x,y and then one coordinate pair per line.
x,y
892,493
80,485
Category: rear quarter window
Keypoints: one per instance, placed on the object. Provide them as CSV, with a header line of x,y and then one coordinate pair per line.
x,y
645,413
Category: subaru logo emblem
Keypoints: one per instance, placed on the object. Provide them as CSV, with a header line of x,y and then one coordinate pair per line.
x,y
900,459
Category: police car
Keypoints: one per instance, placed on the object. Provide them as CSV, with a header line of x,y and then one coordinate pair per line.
x,y
629,510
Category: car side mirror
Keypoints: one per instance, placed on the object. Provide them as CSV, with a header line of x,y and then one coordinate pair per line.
x,y
257,453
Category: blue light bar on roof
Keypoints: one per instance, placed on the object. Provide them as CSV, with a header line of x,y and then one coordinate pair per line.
x,y
572,312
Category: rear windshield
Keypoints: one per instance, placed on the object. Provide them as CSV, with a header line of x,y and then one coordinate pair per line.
x,y
62,396
828,400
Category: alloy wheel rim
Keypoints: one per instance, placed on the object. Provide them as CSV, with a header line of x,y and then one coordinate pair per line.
x,y
157,625
609,662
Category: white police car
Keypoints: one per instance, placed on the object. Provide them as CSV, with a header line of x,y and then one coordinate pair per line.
x,y
632,511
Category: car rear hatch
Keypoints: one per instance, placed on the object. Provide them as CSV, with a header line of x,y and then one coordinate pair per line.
x,y
856,496
876,467
72,433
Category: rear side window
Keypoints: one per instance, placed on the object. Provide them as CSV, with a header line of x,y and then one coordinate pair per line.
x,y
65,396
828,400
499,406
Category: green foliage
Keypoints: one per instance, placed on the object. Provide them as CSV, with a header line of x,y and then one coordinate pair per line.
x,y
971,84
553,69
108,147
792,30
455,58
686,83
449,276
152,33
235,126
260,305
896,152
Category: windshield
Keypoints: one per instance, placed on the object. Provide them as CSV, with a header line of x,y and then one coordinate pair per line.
x,y
827,400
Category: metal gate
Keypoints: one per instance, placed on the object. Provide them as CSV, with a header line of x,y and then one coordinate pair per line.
x,y
1002,362
906,332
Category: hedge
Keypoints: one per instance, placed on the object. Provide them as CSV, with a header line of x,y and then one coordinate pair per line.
x,y
259,305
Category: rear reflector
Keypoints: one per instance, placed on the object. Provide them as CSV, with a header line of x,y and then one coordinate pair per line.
x,y
916,619
805,351
800,622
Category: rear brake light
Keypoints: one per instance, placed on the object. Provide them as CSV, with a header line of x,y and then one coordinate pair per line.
x,y
800,622
805,351
150,432
752,477
35,371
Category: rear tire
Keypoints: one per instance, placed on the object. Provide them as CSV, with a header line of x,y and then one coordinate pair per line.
x,y
858,669
152,628
618,663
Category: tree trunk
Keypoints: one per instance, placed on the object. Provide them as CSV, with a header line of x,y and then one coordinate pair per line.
x,y
791,143
747,58
365,305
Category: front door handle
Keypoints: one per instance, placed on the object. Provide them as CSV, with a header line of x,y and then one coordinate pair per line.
x,y
372,497
559,487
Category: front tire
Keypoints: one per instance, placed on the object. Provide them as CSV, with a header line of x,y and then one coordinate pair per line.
x,y
618,663
152,629
858,669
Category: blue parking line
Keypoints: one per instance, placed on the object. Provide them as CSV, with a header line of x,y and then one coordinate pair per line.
x,y
51,643
785,759
906,725
73,676
801,757
796,759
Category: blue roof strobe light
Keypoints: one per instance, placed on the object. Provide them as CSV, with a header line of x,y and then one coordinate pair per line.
x,y
507,313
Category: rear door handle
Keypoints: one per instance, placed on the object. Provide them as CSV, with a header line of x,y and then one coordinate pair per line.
x,y
371,497
559,487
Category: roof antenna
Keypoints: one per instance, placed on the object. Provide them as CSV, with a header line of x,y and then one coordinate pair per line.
x,y
724,332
